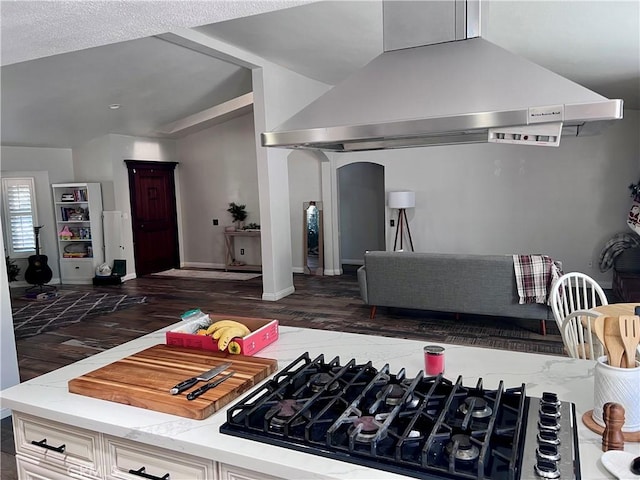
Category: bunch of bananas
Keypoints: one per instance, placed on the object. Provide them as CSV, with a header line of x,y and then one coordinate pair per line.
x,y
225,331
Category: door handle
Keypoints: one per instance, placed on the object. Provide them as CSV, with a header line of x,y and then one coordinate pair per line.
x,y
141,473
43,443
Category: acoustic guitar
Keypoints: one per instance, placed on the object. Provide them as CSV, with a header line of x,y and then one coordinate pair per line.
x,y
38,272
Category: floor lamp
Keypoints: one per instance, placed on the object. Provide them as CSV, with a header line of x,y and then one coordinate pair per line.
x,y
402,201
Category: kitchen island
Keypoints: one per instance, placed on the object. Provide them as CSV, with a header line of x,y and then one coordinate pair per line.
x,y
123,435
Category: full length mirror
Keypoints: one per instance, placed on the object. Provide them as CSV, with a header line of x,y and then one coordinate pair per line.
x,y
312,238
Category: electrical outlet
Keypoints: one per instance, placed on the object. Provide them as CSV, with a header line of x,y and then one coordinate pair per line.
x,y
590,264
215,221
393,223
242,251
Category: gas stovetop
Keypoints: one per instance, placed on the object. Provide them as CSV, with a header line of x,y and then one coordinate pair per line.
x,y
422,427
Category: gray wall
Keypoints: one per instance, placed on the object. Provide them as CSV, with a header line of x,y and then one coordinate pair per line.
x,y
218,166
500,199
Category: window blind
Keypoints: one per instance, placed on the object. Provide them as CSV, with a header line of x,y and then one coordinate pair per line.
x,y
19,200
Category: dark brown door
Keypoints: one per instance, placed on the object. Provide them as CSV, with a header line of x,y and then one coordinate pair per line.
x,y
153,216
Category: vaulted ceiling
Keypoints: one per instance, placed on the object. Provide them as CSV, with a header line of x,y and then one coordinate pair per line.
x,y
65,62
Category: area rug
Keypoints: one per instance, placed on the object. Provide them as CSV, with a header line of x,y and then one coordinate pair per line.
x,y
67,309
209,274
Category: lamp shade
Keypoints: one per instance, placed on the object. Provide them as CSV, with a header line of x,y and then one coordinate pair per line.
x,y
403,199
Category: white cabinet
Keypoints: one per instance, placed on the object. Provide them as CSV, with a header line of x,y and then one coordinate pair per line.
x,y
229,472
58,449
49,450
28,469
78,209
132,461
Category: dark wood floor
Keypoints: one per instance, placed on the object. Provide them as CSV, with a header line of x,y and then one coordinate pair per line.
x,y
318,302
167,298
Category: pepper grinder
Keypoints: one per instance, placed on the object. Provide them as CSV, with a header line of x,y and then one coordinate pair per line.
x,y
613,416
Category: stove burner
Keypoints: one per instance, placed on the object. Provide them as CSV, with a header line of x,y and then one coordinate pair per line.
x,y
394,396
479,407
366,426
282,412
466,451
320,380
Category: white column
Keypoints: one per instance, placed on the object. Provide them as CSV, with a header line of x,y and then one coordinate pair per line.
x,y
9,375
273,191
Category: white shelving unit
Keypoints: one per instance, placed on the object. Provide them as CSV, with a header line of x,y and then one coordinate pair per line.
x,y
78,209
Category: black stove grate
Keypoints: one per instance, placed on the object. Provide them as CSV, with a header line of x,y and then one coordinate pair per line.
x,y
424,427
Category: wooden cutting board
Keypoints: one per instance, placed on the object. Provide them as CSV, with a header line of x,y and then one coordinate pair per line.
x,y
145,378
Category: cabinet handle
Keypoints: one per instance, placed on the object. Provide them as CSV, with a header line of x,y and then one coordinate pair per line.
x,y
43,443
140,473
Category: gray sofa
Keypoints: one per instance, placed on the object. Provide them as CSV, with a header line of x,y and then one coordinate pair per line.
x,y
476,284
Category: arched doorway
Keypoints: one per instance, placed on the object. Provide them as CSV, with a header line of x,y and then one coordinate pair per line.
x,y
361,206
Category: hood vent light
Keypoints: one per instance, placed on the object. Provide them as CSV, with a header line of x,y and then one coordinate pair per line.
x,y
542,135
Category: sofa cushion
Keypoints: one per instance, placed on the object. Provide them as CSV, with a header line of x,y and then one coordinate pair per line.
x,y
626,286
628,261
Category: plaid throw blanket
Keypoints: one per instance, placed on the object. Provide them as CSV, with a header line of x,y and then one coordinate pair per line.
x,y
535,275
614,247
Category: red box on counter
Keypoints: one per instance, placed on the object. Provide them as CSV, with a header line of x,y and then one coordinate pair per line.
x,y
263,333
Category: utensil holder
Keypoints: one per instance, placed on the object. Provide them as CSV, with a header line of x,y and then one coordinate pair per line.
x,y
619,385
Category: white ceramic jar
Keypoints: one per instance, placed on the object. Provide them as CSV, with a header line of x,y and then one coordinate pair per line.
x,y
619,385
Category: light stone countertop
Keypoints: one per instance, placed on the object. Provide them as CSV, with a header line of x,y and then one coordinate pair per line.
x,y
47,397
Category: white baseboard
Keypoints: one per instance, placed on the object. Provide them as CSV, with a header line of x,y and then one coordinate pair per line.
x,y
129,276
272,297
22,283
326,272
348,261
331,273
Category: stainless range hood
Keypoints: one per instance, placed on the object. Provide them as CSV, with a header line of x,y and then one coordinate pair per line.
x,y
465,91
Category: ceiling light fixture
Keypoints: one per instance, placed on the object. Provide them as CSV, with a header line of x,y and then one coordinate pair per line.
x,y
114,106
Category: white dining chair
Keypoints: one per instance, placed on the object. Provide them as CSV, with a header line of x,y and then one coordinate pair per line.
x,y
575,291
578,336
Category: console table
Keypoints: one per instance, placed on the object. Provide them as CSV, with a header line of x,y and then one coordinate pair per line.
x,y
229,241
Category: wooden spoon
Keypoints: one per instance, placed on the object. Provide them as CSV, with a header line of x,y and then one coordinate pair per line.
x,y
598,328
630,334
613,341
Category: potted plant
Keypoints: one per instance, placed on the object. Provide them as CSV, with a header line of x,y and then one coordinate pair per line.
x,y
13,270
238,213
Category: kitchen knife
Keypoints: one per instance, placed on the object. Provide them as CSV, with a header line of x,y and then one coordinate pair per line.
x,y
203,377
199,391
